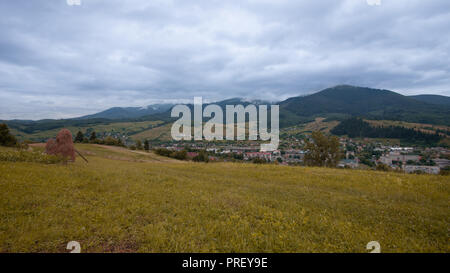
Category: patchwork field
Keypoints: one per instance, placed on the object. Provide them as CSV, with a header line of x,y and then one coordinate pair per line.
x,y
319,124
427,128
161,133
124,201
122,128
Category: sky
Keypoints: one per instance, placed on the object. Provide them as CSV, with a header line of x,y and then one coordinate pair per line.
x,y
59,60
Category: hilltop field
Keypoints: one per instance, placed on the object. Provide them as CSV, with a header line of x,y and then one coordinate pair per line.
x,y
129,201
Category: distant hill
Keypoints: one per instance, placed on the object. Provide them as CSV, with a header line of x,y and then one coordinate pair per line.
x,y
365,102
142,112
336,103
243,101
339,102
130,112
434,99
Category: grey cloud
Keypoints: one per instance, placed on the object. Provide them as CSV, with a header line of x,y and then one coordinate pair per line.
x,y
82,59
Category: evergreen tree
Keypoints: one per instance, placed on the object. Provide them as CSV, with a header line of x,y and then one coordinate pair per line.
x,y
6,139
146,145
79,137
358,128
93,137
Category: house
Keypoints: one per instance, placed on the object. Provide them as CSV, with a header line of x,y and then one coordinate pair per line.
x,y
385,160
425,169
442,162
293,156
396,156
262,155
351,163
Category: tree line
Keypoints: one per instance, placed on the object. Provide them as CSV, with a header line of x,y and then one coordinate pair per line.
x,y
81,138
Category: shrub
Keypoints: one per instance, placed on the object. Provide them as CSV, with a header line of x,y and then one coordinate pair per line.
x,y
162,152
180,155
201,157
238,156
383,167
259,160
139,145
445,171
112,141
22,145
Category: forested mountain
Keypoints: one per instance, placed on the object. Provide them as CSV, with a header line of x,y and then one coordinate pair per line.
x,y
434,99
130,112
356,127
365,102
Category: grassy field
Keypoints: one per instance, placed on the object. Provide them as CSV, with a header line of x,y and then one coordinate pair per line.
x,y
124,201
161,133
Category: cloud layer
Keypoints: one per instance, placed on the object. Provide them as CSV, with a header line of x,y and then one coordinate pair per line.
x,y
59,61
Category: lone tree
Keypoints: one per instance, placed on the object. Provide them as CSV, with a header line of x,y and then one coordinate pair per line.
x,y
93,137
146,145
62,146
6,139
322,150
79,138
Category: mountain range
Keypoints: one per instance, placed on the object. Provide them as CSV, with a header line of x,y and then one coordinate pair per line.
x,y
130,112
138,112
339,102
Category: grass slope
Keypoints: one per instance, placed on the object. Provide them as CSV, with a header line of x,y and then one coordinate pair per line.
x,y
117,205
161,133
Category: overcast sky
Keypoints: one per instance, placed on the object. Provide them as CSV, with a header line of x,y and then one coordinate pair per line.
x,y
58,60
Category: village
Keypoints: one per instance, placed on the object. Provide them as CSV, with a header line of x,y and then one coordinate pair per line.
x,y
355,154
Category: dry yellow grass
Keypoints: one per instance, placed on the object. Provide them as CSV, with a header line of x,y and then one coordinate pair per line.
x,y
112,205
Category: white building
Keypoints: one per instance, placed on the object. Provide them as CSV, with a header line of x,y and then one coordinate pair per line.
x,y
425,169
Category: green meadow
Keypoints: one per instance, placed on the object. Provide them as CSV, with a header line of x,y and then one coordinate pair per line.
x,y
130,201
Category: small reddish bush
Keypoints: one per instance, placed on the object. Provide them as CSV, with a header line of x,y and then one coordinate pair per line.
x,y
62,146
